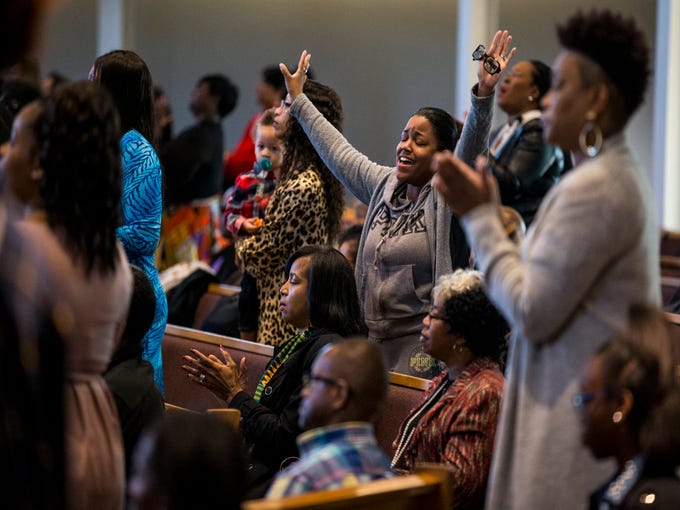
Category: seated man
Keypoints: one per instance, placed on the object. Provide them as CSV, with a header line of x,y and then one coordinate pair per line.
x,y
347,384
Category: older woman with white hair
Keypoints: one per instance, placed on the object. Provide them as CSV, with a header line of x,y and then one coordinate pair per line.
x,y
455,423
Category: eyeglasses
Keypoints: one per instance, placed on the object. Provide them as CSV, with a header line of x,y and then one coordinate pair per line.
x,y
491,65
436,316
308,378
581,399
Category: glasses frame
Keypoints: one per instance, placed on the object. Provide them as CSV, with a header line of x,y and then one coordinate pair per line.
x,y
307,379
491,65
436,316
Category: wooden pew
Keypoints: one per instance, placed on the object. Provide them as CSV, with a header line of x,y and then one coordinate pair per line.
x,y
429,488
670,243
178,341
209,300
403,393
670,266
669,285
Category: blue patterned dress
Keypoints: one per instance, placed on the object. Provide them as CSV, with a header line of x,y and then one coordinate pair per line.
x,y
142,205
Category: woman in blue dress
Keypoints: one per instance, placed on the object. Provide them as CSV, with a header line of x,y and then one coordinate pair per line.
x,y
128,80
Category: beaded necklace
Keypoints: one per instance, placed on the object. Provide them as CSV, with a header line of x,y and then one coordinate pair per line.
x,y
286,350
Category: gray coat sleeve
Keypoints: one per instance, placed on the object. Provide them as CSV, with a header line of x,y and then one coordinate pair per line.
x,y
352,168
474,139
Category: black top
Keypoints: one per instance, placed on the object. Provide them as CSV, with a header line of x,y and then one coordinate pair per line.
x,y
138,400
271,426
526,168
192,163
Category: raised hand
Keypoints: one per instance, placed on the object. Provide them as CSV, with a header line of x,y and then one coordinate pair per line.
x,y
501,52
296,81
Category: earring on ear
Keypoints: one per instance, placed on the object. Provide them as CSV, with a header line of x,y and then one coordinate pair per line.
x,y
531,98
617,417
590,128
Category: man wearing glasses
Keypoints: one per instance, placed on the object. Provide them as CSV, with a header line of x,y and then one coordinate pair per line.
x,y
347,384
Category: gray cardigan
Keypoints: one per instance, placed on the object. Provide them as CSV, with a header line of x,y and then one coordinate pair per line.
x,y
368,180
591,252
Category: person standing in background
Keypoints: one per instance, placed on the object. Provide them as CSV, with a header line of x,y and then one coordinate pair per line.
x,y
524,164
193,173
127,78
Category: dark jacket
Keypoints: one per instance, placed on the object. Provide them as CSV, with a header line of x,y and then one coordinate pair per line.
x,y
192,163
526,168
271,425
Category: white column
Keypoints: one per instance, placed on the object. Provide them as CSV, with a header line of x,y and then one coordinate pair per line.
x,y
114,25
666,175
477,23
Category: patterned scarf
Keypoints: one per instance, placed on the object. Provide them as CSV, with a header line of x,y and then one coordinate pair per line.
x,y
286,350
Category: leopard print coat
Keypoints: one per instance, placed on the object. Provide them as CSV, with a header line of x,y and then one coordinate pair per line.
x,y
296,216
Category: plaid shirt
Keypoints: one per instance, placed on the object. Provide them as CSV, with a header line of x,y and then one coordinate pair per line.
x,y
332,457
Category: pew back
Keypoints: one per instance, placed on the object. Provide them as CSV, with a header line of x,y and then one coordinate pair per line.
x,y
178,341
428,488
404,391
209,301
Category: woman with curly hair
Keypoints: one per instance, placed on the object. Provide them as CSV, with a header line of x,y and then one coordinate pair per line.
x,y
127,78
591,251
305,208
68,148
455,424
410,238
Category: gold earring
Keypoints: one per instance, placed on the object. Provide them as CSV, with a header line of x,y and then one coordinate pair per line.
x,y
617,417
590,128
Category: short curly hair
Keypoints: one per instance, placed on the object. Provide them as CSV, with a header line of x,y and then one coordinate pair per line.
x,y
617,45
471,315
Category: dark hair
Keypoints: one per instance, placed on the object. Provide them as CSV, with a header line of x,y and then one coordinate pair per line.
x,y
15,94
140,317
142,305
617,45
331,306
300,151
219,85
661,436
79,136
193,450
128,79
443,125
166,135
541,76
19,24
351,233
642,360
471,315
273,76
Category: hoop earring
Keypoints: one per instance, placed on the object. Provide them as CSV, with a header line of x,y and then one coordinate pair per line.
x,y
590,128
